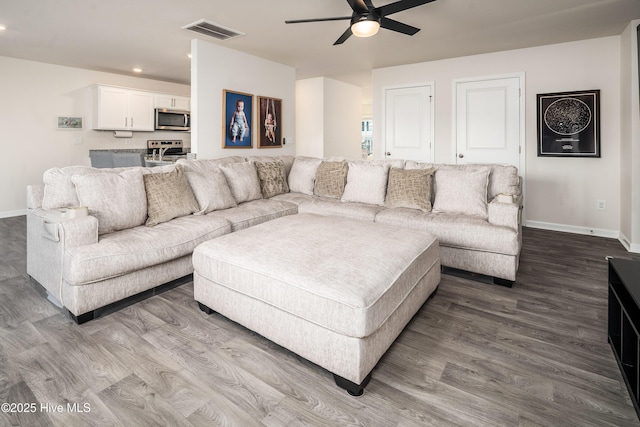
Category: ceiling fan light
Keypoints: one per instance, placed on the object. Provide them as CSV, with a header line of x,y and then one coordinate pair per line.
x,y
365,28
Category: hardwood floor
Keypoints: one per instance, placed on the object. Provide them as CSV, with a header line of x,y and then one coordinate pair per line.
x,y
475,355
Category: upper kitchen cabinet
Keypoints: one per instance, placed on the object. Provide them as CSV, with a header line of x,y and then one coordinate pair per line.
x,y
172,102
117,108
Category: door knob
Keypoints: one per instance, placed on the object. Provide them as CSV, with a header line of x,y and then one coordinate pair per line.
x,y
461,155
387,153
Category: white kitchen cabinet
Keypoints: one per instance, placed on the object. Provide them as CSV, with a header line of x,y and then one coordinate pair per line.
x,y
172,102
117,108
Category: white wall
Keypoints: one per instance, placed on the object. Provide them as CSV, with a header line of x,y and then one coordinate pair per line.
x,y
328,118
310,117
630,140
215,68
561,193
33,95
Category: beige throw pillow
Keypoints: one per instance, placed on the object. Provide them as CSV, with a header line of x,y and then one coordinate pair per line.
x,y
409,189
331,178
168,196
243,181
302,176
211,190
366,183
461,191
273,180
117,199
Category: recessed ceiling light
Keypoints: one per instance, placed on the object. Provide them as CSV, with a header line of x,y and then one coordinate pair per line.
x,y
189,55
2,27
137,70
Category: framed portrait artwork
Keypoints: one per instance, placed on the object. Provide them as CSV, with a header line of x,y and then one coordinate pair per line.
x,y
237,119
569,124
270,122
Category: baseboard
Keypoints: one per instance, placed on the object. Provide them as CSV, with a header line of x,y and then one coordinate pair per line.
x,y
600,232
630,247
9,214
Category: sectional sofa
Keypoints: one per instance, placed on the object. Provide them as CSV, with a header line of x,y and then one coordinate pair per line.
x,y
143,224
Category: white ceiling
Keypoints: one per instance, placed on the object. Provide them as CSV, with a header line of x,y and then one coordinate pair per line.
x,y
117,35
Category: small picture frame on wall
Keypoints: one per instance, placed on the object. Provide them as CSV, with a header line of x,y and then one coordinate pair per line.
x,y
569,124
270,122
237,116
69,123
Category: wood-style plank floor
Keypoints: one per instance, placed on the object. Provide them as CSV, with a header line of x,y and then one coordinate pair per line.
x,y
475,355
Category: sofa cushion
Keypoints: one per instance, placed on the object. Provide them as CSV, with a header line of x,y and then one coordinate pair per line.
x,y
461,191
169,196
117,199
243,181
273,179
203,165
255,212
366,183
302,176
331,178
409,189
211,190
455,230
328,206
133,249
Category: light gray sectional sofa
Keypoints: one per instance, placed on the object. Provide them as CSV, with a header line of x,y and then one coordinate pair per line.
x,y
143,224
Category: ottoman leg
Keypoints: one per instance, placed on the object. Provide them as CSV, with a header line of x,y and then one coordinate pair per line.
x,y
352,388
204,308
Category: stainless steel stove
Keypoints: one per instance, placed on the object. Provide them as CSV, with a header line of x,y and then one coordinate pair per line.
x,y
171,147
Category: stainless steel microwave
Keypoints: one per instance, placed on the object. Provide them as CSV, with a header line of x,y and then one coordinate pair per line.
x,y
172,120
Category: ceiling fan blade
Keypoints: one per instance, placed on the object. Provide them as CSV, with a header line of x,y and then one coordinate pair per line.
x,y
359,6
344,36
394,25
399,6
302,21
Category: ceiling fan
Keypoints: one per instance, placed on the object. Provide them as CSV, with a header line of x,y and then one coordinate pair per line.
x,y
367,19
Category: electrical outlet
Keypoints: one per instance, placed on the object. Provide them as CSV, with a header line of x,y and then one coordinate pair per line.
x,y
601,205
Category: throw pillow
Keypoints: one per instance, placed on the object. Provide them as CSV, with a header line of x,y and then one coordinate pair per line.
x,y
366,183
211,190
331,178
168,196
461,191
272,178
117,200
302,176
409,189
243,181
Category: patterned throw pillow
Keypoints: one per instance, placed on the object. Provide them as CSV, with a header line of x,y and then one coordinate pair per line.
x,y
168,196
331,178
272,178
409,189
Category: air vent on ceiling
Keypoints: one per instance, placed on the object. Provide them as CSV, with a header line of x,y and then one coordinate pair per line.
x,y
211,29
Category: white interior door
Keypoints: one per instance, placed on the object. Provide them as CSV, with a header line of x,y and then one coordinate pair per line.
x,y
488,121
409,123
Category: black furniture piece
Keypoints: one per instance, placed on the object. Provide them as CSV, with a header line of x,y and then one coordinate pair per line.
x,y
624,321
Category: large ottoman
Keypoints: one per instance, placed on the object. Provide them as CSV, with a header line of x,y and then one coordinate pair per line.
x,y
335,291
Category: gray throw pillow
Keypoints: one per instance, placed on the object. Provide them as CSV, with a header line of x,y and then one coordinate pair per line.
x,y
331,178
168,196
